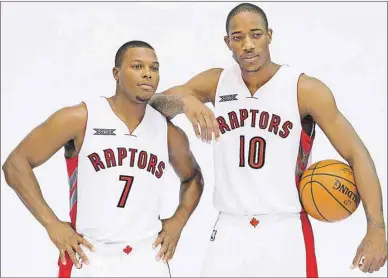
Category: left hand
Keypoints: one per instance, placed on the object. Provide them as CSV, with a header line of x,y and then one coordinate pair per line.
x,y
168,238
372,252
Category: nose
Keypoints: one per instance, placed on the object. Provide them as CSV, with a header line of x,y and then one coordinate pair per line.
x,y
248,44
146,73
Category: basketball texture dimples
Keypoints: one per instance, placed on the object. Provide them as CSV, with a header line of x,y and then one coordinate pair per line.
x,y
328,192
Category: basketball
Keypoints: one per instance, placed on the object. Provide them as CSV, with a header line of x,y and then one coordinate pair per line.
x,y
328,192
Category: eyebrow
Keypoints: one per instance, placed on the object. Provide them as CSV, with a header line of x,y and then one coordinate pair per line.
x,y
143,61
238,32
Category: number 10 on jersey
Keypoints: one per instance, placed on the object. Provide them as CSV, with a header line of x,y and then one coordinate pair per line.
x,y
256,152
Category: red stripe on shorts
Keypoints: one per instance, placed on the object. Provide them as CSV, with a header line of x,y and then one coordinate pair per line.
x,y
306,143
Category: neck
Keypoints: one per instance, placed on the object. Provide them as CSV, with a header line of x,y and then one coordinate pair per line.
x,y
254,80
126,109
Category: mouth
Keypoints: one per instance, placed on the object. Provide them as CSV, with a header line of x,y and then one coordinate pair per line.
x,y
145,85
249,57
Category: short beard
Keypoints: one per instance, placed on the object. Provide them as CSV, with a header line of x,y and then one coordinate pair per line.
x,y
142,100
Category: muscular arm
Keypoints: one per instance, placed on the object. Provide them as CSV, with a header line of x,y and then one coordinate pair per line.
x,y
316,99
188,171
35,149
202,87
189,99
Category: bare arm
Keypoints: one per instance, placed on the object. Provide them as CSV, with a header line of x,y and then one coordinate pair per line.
x,y
189,99
35,149
202,87
316,99
190,175
188,171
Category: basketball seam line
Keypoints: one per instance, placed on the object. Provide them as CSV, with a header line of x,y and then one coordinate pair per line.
x,y
329,165
333,197
301,192
326,174
312,195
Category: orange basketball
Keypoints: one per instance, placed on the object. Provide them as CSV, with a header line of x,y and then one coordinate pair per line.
x,y
328,191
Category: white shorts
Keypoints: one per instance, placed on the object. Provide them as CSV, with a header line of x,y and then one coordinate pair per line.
x,y
120,260
279,246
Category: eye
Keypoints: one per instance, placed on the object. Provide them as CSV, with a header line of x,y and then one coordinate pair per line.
x,y
136,66
236,38
257,35
156,69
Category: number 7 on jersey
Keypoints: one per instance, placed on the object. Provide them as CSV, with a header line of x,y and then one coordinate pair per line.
x,y
127,188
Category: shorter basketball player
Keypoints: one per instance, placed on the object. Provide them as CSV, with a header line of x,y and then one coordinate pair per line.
x,y
117,150
259,108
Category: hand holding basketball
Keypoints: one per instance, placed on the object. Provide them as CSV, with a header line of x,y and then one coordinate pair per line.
x,y
67,240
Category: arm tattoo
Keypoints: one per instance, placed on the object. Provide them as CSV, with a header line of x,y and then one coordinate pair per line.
x,y
371,222
169,106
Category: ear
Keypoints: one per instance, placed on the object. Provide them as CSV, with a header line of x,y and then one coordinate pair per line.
x,y
227,41
116,74
269,36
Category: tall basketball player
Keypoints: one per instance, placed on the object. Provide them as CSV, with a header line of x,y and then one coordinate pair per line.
x,y
261,229
117,150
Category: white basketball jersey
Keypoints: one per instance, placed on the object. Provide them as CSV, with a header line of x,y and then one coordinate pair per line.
x,y
255,159
117,178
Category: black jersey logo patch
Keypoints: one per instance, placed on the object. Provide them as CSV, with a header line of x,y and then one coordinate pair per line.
x,y
104,131
228,98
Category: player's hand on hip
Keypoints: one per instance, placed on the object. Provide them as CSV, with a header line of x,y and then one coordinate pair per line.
x,y
372,252
199,114
168,239
67,240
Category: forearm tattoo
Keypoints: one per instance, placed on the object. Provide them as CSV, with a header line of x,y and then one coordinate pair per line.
x,y
373,223
169,106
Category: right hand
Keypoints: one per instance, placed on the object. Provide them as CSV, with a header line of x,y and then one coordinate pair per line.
x,y
67,240
199,113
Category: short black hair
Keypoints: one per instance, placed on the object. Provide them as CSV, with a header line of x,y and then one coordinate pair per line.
x,y
123,49
246,7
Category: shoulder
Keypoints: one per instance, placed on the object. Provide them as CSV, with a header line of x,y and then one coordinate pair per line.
x,y
308,84
75,114
208,77
204,84
213,73
313,95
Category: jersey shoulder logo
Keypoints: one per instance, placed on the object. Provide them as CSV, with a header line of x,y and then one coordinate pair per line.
x,y
104,131
228,98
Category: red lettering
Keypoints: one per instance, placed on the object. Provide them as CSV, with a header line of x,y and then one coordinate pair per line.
x,y
286,129
110,158
96,161
243,116
133,151
161,167
142,162
122,153
274,125
152,163
263,122
254,112
233,120
222,125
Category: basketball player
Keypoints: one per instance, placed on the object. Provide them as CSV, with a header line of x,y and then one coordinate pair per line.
x,y
117,152
258,105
